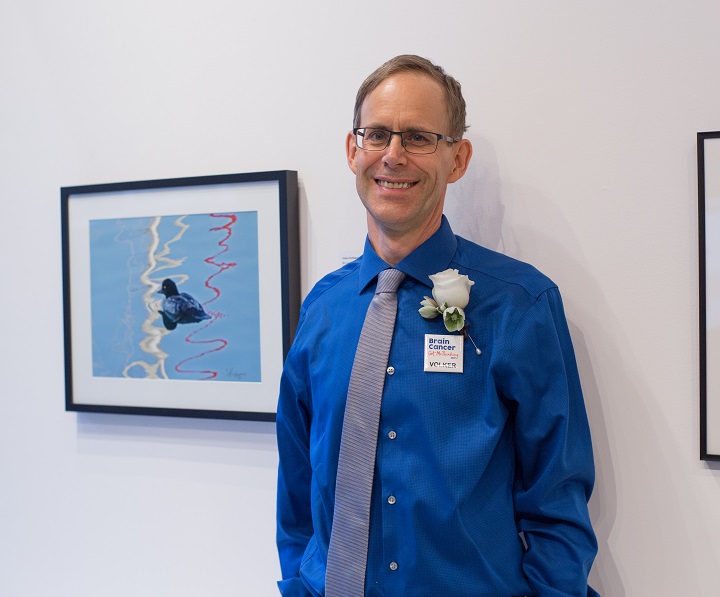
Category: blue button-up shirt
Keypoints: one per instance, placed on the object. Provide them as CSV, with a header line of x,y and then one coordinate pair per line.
x,y
482,478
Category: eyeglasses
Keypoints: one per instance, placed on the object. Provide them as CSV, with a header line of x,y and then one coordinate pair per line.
x,y
413,141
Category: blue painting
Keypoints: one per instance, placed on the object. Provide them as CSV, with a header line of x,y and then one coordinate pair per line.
x,y
176,297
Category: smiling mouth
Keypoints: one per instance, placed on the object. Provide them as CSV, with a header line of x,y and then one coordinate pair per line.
x,y
395,185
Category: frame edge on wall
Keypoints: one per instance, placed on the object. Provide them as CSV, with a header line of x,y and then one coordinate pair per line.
x,y
705,454
289,252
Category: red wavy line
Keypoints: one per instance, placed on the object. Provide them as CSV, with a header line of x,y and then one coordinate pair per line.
x,y
222,267
210,374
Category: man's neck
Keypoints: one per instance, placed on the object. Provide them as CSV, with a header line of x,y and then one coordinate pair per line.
x,y
393,246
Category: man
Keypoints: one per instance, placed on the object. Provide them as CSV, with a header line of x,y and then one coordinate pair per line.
x,y
483,464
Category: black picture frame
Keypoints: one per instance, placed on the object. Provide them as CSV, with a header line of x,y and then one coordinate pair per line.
x,y
708,155
232,239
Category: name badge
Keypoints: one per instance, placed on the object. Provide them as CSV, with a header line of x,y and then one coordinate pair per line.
x,y
444,354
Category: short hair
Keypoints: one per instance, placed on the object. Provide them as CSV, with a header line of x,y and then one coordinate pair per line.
x,y
417,64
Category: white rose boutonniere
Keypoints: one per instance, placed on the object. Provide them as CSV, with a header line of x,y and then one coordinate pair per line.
x,y
450,296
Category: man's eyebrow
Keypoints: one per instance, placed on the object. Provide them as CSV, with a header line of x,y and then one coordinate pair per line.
x,y
407,129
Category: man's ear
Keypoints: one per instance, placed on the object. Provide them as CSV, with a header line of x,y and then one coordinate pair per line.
x,y
351,151
461,160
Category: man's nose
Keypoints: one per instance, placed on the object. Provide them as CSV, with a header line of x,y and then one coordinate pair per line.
x,y
395,152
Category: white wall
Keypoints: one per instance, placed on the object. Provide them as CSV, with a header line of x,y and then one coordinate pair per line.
x,y
583,119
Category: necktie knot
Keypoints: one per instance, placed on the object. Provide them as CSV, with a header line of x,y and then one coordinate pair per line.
x,y
389,280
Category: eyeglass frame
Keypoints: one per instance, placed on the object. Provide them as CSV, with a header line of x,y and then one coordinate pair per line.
x,y
440,137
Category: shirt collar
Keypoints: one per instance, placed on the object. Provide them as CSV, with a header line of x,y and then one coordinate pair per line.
x,y
433,256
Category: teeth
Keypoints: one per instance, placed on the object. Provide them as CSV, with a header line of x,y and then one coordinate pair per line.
x,y
395,185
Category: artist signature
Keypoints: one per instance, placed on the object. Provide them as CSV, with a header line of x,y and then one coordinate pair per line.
x,y
233,373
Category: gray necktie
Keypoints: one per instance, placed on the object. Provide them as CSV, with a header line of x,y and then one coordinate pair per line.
x,y
347,554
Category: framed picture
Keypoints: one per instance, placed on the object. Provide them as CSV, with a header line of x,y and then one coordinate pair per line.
x,y
708,147
181,296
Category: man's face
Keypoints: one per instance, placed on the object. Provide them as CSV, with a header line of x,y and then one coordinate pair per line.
x,y
402,192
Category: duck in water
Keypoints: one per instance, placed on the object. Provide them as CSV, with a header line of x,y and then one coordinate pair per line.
x,y
179,307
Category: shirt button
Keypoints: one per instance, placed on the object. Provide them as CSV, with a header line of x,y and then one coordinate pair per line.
x,y
390,370
392,435
391,500
393,566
